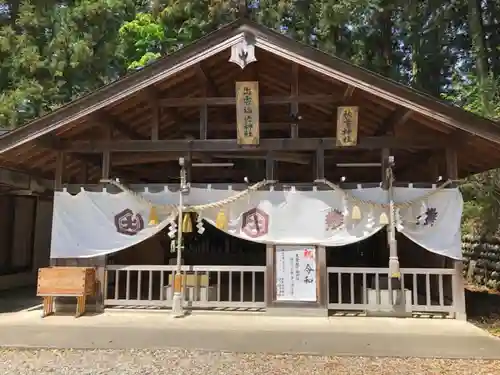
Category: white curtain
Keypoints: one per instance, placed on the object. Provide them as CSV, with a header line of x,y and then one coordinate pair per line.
x,y
433,223
91,224
301,217
87,224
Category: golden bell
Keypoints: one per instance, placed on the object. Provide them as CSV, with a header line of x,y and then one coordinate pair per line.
x,y
153,216
187,225
383,219
221,220
356,213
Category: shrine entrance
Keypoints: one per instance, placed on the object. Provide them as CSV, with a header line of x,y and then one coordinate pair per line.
x,y
339,187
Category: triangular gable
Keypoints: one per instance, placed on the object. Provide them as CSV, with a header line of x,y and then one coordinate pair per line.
x,y
274,43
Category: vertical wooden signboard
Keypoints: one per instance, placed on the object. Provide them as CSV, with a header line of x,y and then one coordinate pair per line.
x,y
347,126
247,112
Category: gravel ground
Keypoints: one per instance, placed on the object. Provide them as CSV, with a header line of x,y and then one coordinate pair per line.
x,y
179,362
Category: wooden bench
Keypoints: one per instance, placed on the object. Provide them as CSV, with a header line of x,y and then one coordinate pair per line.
x,y
79,282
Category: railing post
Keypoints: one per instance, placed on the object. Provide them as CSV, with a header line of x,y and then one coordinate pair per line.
x,y
269,276
101,283
323,279
459,291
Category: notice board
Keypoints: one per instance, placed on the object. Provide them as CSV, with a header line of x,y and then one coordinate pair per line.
x,y
295,273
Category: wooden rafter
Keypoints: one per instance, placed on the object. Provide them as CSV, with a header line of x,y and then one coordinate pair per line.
x,y
203,76
105,119
397,118
348,93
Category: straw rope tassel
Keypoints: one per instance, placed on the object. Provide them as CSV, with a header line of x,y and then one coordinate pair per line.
x,y
153,216
187,225
221,220
383,220
356,213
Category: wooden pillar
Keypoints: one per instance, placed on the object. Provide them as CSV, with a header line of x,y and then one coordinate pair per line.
x,y
100,262
84,173
322,278
458,278
294,107
269,277
106,155
59,171
204,115
320,163
384,160
321,250
155,125
270,166
58,184
385,163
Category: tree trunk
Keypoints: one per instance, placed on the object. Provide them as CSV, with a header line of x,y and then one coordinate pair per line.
x,y
479,49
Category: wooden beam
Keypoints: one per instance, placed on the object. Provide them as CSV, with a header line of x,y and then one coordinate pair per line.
x,y
286,157
266,144
228,101
275,125
397,118
124,159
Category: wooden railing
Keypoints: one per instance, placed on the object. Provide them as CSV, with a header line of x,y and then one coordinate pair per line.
x,y
420,290
203,286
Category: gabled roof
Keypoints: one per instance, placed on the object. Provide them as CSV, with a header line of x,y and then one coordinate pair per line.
x,y
274,43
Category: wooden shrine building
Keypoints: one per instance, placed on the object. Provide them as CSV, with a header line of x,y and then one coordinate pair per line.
x,y
242,105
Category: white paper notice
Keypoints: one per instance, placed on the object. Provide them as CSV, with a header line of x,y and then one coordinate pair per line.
x,y
295,273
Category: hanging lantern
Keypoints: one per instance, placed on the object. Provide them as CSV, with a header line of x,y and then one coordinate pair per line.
x,y
384,220
187,225
356,213
153,216
221,220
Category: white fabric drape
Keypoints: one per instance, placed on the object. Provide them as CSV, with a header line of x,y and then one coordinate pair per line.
x,y
300,217
433,223
84,225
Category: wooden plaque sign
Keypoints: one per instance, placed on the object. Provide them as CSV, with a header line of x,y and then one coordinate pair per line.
x,y
347,126
54,282
247,112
